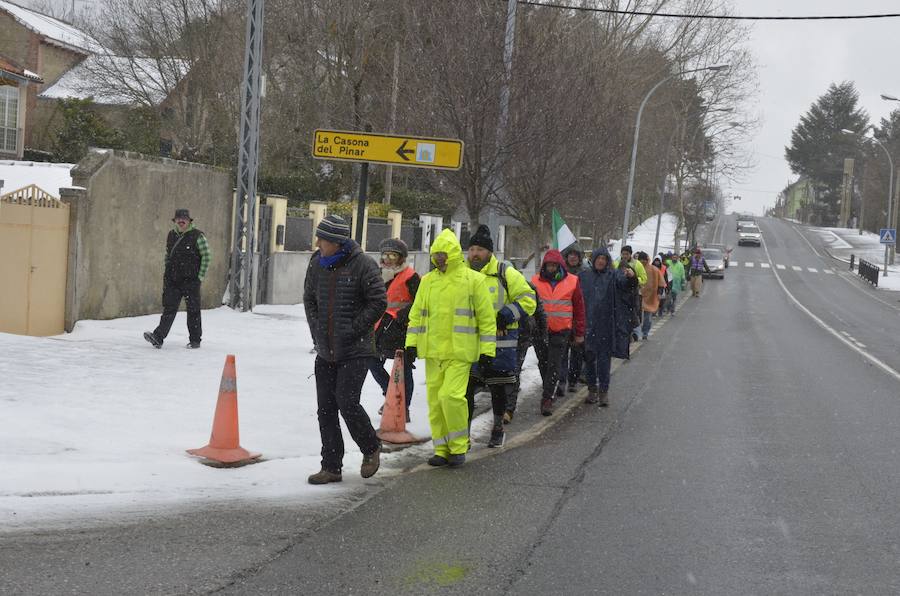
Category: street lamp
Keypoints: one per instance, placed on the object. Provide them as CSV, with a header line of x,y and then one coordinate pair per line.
x,y
637,132
887,248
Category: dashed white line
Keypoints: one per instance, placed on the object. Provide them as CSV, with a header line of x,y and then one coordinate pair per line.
x,y
812,270
764,265
749,263
796,268
779,266
828,271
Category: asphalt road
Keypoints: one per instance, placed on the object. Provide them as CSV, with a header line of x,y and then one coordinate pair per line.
x,y
751,448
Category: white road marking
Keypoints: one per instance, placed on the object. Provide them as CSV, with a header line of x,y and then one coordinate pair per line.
x,y
807,241
795,268
828,271
748,263
780,267
887,369
812,270
764,265
735,263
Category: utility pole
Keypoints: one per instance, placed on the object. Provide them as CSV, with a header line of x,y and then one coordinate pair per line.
x,y
241,272
395,87
509,42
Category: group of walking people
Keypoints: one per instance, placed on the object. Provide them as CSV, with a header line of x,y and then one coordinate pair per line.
x,y
470,320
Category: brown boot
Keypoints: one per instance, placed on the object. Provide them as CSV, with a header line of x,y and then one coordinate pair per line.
x,y
370,464
324,476
593,396
604,398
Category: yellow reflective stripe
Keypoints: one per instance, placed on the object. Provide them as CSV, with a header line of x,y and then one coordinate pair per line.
x,y
458,434
488,338
462,329
507,343
398,304
415,330
465,312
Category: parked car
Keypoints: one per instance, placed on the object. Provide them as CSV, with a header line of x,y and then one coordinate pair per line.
x,y
715,260
749,235
726,251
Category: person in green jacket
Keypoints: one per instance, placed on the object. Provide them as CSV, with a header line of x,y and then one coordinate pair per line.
x,y
452,326
677,282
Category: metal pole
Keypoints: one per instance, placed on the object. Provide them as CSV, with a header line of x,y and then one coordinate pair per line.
x,y
509,42
887,247
361,204
248,161
389,170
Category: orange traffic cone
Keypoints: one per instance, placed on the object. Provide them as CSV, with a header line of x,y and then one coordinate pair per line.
x,y
393,420
224,449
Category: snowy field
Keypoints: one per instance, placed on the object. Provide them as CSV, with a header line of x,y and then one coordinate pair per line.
x,y
641,238
96,422
842,242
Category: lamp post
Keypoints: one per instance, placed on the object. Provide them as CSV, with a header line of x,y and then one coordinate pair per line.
x,y
890,202
637,132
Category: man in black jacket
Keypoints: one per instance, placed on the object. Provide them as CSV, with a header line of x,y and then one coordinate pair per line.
x,y
344,296
187,261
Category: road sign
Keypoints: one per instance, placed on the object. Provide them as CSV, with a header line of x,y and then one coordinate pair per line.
x,y
419,152
888,235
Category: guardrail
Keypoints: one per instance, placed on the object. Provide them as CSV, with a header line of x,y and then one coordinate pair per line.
x,y
869,272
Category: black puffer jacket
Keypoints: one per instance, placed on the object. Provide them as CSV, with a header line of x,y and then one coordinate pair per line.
x,y
342,304
183,256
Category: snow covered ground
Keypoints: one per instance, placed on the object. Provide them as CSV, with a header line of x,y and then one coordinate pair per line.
x,y
842,242
95,423
50,177
641,238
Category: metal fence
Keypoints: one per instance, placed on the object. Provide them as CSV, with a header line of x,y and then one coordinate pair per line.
x,y
868,272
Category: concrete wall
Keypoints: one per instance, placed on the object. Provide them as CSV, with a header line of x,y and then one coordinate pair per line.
x,y
287,271
118,227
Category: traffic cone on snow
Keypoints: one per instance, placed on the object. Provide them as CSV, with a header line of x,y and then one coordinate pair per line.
x,y
393,420
224,449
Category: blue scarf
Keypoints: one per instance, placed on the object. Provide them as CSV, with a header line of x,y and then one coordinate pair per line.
x,y
333,260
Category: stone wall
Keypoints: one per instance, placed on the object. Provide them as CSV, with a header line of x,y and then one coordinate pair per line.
x,y
119,220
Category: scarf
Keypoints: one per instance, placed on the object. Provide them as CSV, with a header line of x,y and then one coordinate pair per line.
x,y
333,260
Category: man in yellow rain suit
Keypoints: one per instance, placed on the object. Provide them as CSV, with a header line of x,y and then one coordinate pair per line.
x,y
451,325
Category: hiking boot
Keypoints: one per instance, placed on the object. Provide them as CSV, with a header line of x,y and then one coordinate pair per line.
x,y
324,476
604,398
498,436
370,463
593,396
151,337
546,406
194,345
508,416
457,459
437,461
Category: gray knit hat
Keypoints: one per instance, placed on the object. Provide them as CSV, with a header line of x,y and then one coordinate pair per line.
x,y
334,229
394,245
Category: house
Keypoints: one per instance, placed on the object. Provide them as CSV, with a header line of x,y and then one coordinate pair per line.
x,y
15,84
72,64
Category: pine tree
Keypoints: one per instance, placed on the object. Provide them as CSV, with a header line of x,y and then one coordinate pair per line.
x,y
818,147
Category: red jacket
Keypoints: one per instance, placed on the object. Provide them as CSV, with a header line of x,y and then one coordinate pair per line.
x,y
563,296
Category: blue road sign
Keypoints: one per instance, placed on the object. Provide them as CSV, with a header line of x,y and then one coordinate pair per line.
x,y
888,235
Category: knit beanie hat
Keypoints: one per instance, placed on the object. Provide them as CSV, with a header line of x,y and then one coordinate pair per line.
x,y
334,229
394,245
482,238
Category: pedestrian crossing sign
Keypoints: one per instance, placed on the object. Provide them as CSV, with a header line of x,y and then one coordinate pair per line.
x,y
888,235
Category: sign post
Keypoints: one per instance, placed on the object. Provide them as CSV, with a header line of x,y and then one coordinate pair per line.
x,y
888,237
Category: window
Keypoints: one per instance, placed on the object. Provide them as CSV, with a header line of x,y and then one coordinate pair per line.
x,y
9,118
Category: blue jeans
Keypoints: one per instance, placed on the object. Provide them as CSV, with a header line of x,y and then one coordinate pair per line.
x,y
648,323
598,370
383,377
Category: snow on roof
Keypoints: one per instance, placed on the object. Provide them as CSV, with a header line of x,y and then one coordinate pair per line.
x,y
55,31
137,80
50,177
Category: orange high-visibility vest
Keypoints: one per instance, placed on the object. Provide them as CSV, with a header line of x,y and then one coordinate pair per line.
x,y
398,296
557,301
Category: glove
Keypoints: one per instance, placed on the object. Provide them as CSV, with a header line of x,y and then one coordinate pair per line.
x,y
411,354
485,362
505,317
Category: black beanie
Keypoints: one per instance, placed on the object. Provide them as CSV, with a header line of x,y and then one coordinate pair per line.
x,y
482,238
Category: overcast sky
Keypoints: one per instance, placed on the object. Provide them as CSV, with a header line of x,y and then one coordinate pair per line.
x,y
797,62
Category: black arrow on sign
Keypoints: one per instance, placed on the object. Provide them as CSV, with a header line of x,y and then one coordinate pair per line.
x,y
402,150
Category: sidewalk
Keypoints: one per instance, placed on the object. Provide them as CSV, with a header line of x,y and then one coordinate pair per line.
x,y
841,243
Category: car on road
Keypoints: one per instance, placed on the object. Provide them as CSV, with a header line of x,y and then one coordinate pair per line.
x,y
749,235
725,250
743,223
715,260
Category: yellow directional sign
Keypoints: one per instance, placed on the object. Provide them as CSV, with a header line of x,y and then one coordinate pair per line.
x,y
419,152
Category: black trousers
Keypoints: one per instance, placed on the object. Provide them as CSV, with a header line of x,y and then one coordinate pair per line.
x,y
552,362
512,397
500,392
338,387
575,357
173,292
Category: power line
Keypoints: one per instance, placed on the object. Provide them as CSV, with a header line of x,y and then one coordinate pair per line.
x,y
721,17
